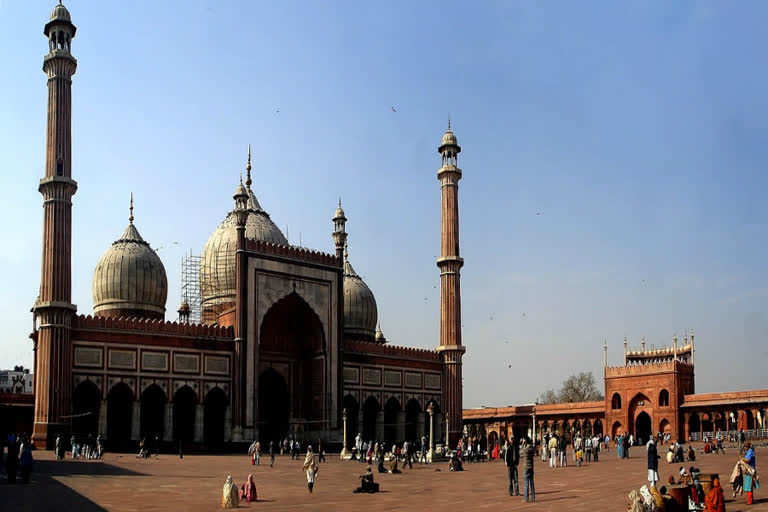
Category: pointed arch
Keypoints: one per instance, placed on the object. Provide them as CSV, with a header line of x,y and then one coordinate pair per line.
x,y
152,416
86,404
120,400
184,404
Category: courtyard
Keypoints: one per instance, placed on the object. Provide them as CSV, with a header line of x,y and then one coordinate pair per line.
x,y
124,483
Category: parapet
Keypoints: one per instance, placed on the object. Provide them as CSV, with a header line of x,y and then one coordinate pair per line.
x,y
370,347
153,326
296,253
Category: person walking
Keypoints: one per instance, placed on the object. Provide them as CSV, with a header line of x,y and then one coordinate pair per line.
x,y
423,459
562,448
653,463
511,459
552,451
311,467
320,451
271,454
596,448
526,455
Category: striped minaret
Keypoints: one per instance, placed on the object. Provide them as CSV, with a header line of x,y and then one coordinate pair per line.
x,y
450,263
54,309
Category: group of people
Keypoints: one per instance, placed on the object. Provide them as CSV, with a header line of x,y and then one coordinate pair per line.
x,y
514,453
90,448
232,495
145,450
254,451
743,479
374,452
19,460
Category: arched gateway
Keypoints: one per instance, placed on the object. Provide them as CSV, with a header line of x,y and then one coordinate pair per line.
x,y
292,380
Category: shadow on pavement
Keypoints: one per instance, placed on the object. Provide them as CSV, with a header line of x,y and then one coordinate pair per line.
x,y
46,493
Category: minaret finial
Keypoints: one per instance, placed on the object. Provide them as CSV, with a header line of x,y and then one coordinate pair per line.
x,y
339,201
248,169
131,207
449,121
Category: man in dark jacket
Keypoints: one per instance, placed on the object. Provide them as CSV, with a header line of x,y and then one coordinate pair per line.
x,y
653,463
511,459
526,455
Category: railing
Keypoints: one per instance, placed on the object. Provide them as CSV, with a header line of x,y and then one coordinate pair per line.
x,y
760,433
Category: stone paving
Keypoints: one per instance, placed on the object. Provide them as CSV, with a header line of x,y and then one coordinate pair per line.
x,y
122,482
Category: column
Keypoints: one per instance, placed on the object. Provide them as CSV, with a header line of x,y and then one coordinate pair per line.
x,y
714,423
345,450
401,426
199,419
168,422
701,426
103,419
687,427
754,423
379,426
431,453
447,446
136,421
727,415
228,423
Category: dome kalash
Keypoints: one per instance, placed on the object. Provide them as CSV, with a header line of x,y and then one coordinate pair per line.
x,y
130,279
217,262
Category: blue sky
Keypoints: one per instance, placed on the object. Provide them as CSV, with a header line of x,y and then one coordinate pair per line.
x,y
636,130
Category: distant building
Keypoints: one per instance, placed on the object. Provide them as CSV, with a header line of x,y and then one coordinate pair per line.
x,y
653,392
19,380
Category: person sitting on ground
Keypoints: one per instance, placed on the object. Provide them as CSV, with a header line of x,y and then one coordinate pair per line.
x,y
229,495
380,467
393,466
679,454
248,491
671,454
715,501
455,464
691,454
657,498
367,484
707,447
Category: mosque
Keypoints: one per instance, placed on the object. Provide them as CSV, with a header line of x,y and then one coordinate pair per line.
x,y
287,343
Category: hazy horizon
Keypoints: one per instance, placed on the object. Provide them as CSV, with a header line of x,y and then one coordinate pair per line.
x,y
613,160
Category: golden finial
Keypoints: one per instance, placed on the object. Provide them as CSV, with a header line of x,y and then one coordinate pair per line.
x,y
131,209
248,169
449,121
339,201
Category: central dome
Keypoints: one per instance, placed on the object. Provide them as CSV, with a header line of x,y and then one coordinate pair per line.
x,y
217,262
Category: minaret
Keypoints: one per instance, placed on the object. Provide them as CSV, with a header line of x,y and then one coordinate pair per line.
x,y
241,317
339,231
53,372
450,263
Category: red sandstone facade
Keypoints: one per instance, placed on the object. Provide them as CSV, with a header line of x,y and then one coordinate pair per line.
x,y
652,393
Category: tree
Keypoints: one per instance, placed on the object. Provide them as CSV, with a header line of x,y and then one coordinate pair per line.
x,y
548,397
580,387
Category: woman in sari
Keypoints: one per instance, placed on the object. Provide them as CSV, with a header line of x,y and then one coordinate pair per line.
x,y
750,478
310,466
229,495
715,501
248,491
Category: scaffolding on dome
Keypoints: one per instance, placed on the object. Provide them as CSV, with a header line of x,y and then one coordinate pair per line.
x,y
190,286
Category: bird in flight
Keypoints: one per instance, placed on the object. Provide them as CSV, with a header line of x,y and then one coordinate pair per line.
x,y
393,109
